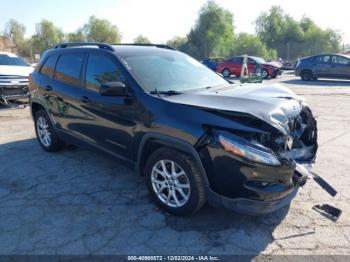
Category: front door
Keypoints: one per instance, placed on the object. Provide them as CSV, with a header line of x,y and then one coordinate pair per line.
x,y
112,117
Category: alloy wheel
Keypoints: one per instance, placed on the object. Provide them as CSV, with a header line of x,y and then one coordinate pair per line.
x,y
170,183
264,74
43,130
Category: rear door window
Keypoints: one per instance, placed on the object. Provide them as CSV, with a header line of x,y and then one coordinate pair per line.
x,y
49,66
68,69
340,60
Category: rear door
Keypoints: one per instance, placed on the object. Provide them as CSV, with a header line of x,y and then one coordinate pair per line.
x,y
67,92
323,66
340,66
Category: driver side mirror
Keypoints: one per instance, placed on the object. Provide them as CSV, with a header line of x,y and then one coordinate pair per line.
x,y
113,89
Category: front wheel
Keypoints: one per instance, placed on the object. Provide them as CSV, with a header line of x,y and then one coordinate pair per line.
x,y
265,74
45,133
174,182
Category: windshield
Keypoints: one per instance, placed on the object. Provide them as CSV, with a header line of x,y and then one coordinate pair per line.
x,y
174,71
12,60
259,60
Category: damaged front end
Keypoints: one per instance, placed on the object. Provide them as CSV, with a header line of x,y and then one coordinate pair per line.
x,y
256,172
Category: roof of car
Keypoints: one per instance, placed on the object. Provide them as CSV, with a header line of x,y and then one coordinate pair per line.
x,y
129,50
8,53
119,49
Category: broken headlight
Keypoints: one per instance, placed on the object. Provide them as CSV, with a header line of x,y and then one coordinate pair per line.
x,y
244,149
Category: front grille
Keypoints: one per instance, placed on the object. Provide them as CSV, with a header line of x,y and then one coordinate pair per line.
x,y
13,81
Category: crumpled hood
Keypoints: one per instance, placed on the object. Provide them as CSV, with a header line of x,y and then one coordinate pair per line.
x,y
272,103
16,70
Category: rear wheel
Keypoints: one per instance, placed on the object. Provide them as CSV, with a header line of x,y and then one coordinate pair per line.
x,y
174,182
306,75
45,133
226,73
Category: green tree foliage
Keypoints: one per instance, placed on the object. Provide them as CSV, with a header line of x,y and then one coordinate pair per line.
x,y
252,45
77,36
140,39
47,35
98,30
213,33
16,31
177,42
293,38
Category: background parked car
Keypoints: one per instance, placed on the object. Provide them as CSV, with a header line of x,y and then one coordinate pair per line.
x,y
326,65
233,66
212,62
14,73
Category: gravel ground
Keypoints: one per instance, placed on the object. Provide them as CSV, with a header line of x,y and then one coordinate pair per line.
x,y
82,202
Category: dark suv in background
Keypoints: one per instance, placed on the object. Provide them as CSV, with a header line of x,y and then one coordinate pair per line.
x,y
194,136
323,66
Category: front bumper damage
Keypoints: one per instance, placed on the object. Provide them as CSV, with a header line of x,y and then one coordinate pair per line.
x,y
254,188
13,88
256,207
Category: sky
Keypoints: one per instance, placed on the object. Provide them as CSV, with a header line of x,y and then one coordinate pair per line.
x,y
160,20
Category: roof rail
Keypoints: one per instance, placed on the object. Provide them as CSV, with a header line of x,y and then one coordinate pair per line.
x,y
77,44
155,45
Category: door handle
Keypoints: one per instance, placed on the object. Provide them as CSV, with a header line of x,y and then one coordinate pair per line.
x,y
85,99
48,88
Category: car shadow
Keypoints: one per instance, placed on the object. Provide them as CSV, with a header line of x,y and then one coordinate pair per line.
x,y
84,196
319,82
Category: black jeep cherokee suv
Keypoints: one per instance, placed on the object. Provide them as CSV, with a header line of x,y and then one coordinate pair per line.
x,y
195,137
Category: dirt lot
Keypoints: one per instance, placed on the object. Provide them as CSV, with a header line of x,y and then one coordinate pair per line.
x,y
82,202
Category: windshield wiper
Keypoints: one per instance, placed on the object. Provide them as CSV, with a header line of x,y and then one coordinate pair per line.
x,y
168,92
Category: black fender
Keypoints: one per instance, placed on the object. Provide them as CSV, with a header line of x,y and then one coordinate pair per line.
x,y
170,142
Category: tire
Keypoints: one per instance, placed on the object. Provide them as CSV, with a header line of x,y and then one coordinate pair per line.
x,y
45,132
226,73
306,75
265,74
189,181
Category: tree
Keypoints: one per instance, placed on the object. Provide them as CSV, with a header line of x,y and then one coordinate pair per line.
x,y
77,36
212,34
177,42
16,31
140,39
293,38
252,45
98,30
47,35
